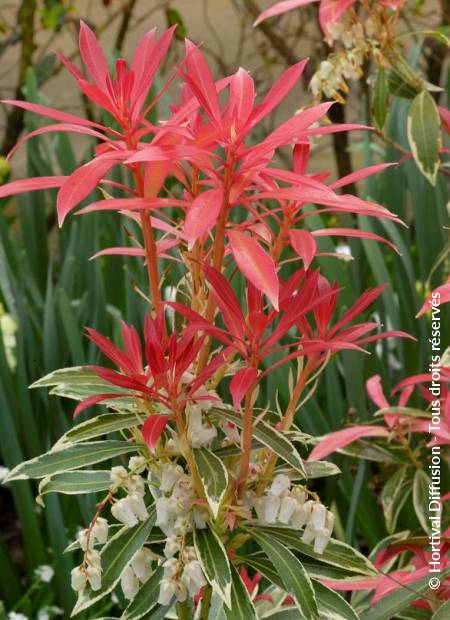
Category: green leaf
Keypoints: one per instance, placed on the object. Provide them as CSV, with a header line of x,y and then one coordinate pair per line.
x,y
76,482
292,572
420,498
214,561
380,98
394,495
214,477
242,607
424,134
406,411
395,602
443,613
331,604
101,425
270,438
336,553
115,557
72,457
146,599
321,469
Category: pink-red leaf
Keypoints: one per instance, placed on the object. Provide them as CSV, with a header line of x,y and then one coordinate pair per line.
x,y
31,185
256,265
152,429
280,8
92,55
304,244
242,381
334,441
56,115
202,214
353,232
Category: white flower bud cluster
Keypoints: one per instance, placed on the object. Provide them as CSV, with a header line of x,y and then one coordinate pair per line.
x,y
183,576
200,435
289,506
91,570
130,509
137,572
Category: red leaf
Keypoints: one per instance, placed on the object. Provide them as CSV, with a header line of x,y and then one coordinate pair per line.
x,y
241,383
330,12
31,185
80,184
281,7
92,55
202,214
375,391
242,97
152,429
440,295
353,232
56,115
334,441
256,265
94,400
201,81
304,244
285,83
361,174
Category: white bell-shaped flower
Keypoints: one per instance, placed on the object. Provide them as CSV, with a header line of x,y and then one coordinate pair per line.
x,y
94,576
322,539
142,564
137,464
280,485
267,508
123,512
78,579
100,530
193,577
118,475
138,506
129,583
172,546
167,591
170,568
135,484
318,516
85,539
170,474
287,508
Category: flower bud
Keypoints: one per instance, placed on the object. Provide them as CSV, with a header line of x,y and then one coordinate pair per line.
x,y
170,474
94,576
137,464
118,475
193,577
287,509
138,506
84,539
172,546
318,516
267,508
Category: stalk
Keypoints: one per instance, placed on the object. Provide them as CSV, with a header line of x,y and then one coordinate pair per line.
x,y
247,433
206,603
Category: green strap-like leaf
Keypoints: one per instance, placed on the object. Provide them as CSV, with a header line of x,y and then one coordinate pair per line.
x,y
76,482
331,604
270,438
214,561
292,572
424,134
398,600
380,98
115,557
336,553
420,498
72,457
242,607
214,476
443,613
394,496
146,599
101,425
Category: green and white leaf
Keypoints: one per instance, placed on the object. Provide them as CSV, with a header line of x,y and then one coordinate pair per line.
x,y
443,613
242,607
380,98
214,560
214,477
296,580
332,605
420,498
424,134
395,494
336,553
72,457
146,598
115,557
100,425
268,437
314,469
76,482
